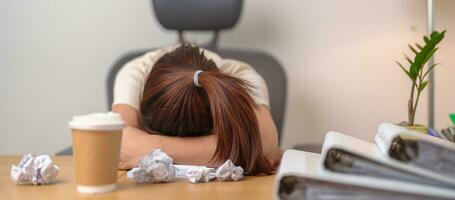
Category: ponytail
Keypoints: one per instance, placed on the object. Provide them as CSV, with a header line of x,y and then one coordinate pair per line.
x,y
234,122
177,101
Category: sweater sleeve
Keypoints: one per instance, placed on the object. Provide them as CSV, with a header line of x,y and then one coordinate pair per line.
x,y
129,84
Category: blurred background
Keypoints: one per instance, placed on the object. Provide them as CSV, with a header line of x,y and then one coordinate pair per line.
x,y
338,56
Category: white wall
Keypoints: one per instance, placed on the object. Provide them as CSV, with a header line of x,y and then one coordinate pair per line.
x,y
445,74
339,56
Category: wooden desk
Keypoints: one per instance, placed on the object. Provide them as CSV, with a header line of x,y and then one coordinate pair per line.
x,y
65,188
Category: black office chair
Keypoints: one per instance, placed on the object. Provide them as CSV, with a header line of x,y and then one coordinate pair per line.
x,y
214,16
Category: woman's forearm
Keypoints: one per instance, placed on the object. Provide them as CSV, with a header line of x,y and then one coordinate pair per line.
x,y
184,150
189,150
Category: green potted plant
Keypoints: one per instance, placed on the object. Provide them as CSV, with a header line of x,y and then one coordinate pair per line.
x,y
417,74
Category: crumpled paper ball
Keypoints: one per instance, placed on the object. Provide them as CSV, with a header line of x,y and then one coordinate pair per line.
x,y
228,171
199,175
38,171
155,167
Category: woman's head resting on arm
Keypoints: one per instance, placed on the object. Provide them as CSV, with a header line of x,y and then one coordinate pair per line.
x,y
187,95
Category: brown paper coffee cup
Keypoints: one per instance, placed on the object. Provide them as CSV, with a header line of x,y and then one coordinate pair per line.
x,y
96,148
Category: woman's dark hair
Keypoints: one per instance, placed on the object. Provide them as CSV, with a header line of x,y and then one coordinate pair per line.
x,y
173,105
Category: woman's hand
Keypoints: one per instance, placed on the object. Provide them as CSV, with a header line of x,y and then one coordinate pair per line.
x,y
135,145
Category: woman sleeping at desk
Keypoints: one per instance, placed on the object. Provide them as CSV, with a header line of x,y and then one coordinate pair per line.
x,y
197,107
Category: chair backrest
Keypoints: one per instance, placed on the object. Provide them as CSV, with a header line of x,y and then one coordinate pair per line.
x,y
198,15
214,15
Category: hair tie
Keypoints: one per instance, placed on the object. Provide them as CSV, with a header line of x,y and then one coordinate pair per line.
x,y
196,78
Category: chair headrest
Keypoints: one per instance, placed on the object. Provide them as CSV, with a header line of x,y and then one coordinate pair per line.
x,y
197,15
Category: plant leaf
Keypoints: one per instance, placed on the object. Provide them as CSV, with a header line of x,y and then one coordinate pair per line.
x,y
428,50
404,69
422,86
422,55
408,59
426,39
413,72
418,46
430,54
412,49
429,70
